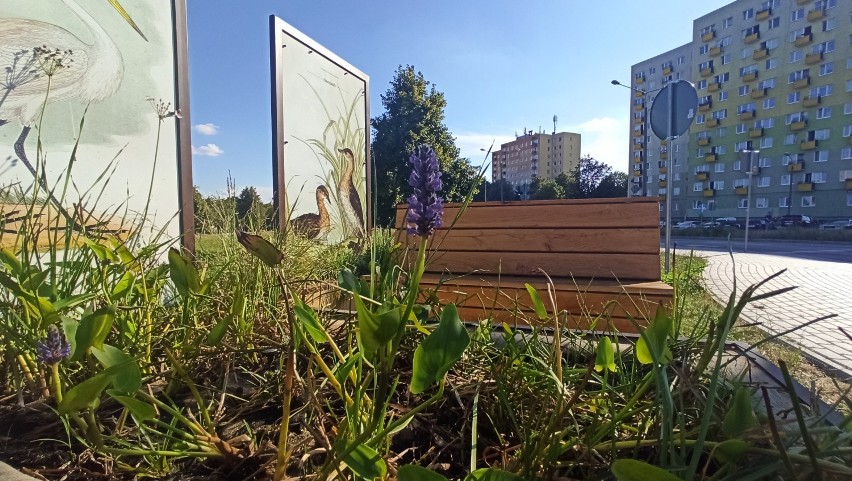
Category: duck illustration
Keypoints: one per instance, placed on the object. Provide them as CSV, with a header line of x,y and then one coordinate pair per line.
x,y
350,202
314,226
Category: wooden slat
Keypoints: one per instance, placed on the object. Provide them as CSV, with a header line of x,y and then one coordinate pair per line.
x,y
628,241
581,265
614,324
551,214
46,226
657,288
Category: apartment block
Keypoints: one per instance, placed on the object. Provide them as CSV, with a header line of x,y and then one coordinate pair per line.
x,y
774,81
535,154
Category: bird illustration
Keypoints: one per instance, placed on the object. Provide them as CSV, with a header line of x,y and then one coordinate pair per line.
x,y
314,226
350,201
46,63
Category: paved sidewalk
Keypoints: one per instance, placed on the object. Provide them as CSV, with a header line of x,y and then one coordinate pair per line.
x,y
822,288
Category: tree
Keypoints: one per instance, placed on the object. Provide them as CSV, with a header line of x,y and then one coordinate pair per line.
x,y
250,209
414,115
545,189
613,185
587,176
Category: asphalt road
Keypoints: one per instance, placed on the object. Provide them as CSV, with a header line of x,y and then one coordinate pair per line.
x,y
809,250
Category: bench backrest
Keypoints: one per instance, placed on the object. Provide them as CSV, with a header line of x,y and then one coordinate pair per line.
x,y
584,239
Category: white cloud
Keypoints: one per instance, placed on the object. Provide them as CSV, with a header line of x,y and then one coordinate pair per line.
x,y
209,150
206,129
265,192
470,143
606,140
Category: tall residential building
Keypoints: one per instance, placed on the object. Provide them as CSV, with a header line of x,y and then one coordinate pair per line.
x,y
535,154
774,81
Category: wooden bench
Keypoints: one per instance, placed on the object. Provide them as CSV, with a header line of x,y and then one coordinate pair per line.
x,y
603,256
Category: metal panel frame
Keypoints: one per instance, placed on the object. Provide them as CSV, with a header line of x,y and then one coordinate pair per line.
x,y
183,126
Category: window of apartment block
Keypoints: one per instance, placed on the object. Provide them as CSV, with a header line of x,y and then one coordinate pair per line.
x,y
808,201
743,90
726,59
720,167
798,75
789,139
823,112
766,142
849,62
768,103
698,186
847,130
728,22
764,162
794,97
702,50
821,156
741,128
797,15
761,203
796,55
738,165
846,153
746,107
742,203
825,4
748,14
829,24
816,177
744,145
783,201
821,91
849,198
849,85
675,190
771,63
774,22
699,119
796,117
824,47
785,179
764,181
723,95
819,134
717,185
702,84
723,131
746,52
826,68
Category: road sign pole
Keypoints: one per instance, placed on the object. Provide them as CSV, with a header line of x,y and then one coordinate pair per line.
x,y
669,171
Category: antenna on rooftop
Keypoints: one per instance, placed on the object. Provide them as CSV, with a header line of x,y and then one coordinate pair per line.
x,y
555,118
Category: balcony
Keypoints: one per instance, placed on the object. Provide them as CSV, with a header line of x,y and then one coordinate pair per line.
x,y
800,125
714,86
704,141
760,53
712,157
667,71
804,187
637,173
715,51
702,175
638,107
709,192
750,77
848,184
803,2
808,144
706,106
754,133
795,167
816,14
664,170
638,133
802,83
708,36
639,80
759,93
741,191
811,101
712,122
763,14
805,39
638,93
813,58
747,115
664,156
664,142
752,38
706,72
662,183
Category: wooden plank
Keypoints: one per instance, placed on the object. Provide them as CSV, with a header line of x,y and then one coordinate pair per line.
x,y
578,265
583,285
516,319
629,241
46,227
550,215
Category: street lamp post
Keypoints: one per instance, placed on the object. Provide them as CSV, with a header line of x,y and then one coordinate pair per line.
x,y
751,168
670,163
790,194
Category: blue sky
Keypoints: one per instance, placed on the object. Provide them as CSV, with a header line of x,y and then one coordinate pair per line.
x,y
502,66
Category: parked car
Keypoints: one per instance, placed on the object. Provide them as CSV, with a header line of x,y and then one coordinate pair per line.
x,y
838,224
687,224
758,223
710,225
727,221
796,220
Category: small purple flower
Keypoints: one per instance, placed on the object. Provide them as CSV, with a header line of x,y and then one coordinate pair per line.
x,y
425,207
55,348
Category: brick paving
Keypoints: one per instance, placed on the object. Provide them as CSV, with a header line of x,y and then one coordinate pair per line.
x,y
822,288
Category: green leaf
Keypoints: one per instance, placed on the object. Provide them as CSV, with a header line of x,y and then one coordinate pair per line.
x,y
538,305
730,451
349,281
366,462
140,410
633,470
47,312
10,260
606,357
102,252
657,334
439,351
123,286
183,273
341,372
412,472
375,330
309,319
260,248
73,301
69,327
740,416
491,474
127,375
93,330
85,395
215,336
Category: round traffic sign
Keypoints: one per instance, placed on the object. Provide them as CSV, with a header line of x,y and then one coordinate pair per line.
x,y
674,109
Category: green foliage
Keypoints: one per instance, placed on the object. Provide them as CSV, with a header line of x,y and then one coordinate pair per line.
x,y
414,115
440,351
634,470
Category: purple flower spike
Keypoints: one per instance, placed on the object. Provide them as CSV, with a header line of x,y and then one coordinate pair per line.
x,y
55,348
425,206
